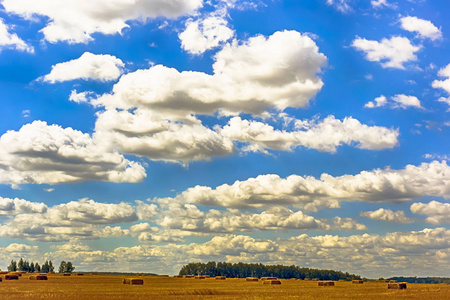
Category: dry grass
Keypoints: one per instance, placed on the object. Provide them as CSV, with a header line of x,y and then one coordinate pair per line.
x,y
94,287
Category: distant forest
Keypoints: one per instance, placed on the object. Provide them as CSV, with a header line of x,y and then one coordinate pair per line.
x,y
422,279
242,270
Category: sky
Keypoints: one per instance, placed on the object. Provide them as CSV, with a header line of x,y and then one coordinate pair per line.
x,y
144,135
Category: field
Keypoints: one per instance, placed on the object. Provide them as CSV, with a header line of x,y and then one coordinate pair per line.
x,y
110,287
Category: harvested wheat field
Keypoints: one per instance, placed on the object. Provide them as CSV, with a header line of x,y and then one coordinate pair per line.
x,y
111,287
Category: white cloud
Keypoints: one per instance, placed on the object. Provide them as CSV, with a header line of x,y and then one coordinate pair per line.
x,y
387,215
88,66
377,102
74,21
443,84
437,212
424,28
279,71
391,53
18,206
11,40
341,5
396,101
386,185
378,4
405,101
323,136
370,255
82,219
82,97
205,34
41,153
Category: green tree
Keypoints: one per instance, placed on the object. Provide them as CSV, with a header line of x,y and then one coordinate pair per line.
x,y
32,267
12,266
37,267
51,268
45,267
20,265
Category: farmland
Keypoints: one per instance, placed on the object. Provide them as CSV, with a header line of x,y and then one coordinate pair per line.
x,y
111,287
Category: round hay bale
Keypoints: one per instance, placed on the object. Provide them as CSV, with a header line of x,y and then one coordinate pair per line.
x,y
397,286
188,276
11,277
79,274
220,278
251,279
200,277
133,281
357,281
38,277
326,283
269,278
272,282
178,276
66,274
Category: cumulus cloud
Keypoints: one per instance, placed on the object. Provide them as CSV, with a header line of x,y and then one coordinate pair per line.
x,y
82,97
75,21
278,71
391,53
82,219
371,255
423,28
88,66
41,153
437,212
443,84
387,215
204,34
323,136
11,40
16,206
396,101
304,191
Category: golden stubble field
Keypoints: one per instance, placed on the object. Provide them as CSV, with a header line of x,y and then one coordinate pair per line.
x,y
110,287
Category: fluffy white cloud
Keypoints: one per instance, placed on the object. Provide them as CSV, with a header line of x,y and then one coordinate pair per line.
x,y
391,53
279,71
377,102
204,34
437,212
101,67
323,136
82,97
443,84
74,21
424,28
81,219
396,101
11,40
404,101
18,206
370,186
387,215
370,255
144,133
41,153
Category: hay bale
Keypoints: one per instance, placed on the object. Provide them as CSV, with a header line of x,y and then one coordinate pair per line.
x,y
133,281
178,276
315,279
269,278
163,275
251,279
3,272
200,277
397,286
326,283
38,277
66,274
188,276
220,278
272,282
382,281
358,281
392,281
11,277
79,274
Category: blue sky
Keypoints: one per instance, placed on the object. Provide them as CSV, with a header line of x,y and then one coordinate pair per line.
x,y
144,135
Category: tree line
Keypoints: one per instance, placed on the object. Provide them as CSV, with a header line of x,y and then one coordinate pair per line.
x,y
242,270
47,267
